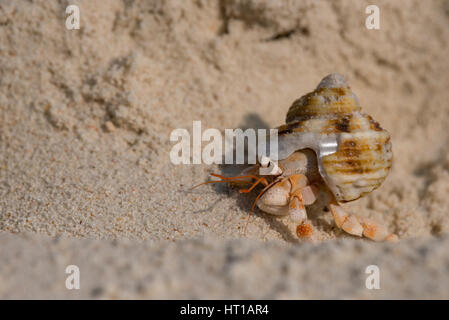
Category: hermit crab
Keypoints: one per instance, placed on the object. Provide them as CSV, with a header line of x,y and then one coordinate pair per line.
x,y
327,143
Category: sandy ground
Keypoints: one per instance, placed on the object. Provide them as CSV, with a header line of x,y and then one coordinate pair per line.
x,y
149,67
210,268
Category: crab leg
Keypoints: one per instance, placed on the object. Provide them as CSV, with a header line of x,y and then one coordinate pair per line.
x,y
260,180
301,196
236,179
358,226
297,213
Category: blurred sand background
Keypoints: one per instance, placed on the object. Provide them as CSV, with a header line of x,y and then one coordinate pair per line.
x,y
76,190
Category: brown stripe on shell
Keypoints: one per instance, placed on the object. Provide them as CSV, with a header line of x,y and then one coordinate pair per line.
x,y
343,124
349,149
359,147
357,166
374,125
323,101
332,123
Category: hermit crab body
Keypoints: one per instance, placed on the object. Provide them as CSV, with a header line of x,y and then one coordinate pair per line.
x,y
327,144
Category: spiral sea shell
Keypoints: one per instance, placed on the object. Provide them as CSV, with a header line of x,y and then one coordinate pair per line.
x,y
359,153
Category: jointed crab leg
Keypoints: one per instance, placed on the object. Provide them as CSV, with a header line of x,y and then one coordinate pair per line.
x,y
296,208
297,211
359,226
227,179
260,180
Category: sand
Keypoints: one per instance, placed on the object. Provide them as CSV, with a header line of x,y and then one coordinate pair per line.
x,y
85,121
210,268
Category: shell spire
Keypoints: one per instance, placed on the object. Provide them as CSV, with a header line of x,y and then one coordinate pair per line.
x,y
332,97
332,111
334,80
